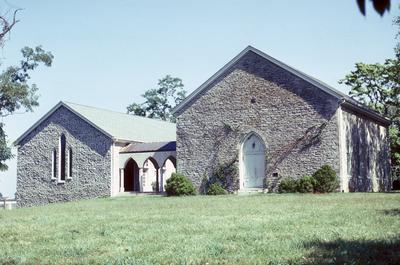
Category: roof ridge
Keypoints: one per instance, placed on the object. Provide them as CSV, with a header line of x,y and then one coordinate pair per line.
x,y
113,124
308,78
119,112
285,65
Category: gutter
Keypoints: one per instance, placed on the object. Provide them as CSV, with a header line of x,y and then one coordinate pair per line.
x,y
364,111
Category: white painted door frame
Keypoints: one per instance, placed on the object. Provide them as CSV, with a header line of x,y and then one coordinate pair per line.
x,y
252,162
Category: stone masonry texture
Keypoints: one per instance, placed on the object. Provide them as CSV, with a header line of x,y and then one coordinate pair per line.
x,y
255,95
91,165
368,154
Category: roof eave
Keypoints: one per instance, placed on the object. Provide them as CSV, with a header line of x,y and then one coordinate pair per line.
x,y
30,129
50,112
209,81
366,112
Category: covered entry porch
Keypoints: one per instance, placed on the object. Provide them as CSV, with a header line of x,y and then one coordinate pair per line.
x,y
145,167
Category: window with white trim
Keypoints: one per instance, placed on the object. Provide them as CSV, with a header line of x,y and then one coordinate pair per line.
x,y
62,158
69,175
54,164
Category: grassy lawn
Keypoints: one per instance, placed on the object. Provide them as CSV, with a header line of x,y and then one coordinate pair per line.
x,y
258,229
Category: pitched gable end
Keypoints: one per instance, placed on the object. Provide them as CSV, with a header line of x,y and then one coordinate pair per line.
x,y
49,113
341,97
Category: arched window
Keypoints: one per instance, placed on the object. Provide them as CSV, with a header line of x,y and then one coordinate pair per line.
x,y
69,163
61,176
54,164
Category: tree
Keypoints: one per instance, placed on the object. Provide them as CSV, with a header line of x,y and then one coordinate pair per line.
x,y
15,91
378,86
7,24
160,101
380,6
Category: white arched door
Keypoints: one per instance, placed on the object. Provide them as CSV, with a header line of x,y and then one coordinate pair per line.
x,y
253,162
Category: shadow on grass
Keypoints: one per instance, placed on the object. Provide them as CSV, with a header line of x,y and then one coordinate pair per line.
x,y
392,212
354,252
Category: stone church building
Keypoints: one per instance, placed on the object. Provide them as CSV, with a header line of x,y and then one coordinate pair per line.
x,y
270,121
257,120
80,152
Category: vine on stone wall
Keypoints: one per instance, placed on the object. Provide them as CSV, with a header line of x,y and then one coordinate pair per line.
x,y
230,128
310,137
225,174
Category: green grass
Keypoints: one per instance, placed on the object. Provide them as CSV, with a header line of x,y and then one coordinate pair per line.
x,y
258,229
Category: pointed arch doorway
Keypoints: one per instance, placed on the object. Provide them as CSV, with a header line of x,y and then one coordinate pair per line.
x,y
131,176
252,163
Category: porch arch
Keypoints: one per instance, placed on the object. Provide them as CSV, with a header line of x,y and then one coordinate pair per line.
x,y
151,175
131,176
168,167
170,158
153,172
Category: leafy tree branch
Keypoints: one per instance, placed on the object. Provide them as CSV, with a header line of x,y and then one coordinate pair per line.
x,y
161,100
378,86
16,93
6,25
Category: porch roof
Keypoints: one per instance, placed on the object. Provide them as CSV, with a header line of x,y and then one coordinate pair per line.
x,y
149,147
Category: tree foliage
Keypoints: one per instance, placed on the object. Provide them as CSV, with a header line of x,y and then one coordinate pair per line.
x,y
380,6
161,100
378,86
16,93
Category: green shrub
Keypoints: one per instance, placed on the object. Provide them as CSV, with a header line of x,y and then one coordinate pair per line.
x,y
178,185
216,189
288,185
325,179
306,184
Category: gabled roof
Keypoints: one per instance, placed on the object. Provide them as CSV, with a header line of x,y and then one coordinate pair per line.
x,y
343,99
149,147
118,126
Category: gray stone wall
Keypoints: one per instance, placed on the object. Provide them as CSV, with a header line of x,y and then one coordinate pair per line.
x,y
296,120
367,152
91,165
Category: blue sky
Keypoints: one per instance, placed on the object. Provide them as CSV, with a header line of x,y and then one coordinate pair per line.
x,y
107,53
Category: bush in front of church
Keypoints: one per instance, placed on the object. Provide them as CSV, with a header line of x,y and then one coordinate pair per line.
x,y
325,180
288,185
179,185
216,189
306,184
322,181
303,185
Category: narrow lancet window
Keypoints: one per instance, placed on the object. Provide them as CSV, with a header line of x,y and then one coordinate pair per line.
x,y
69,163
54,164
62,158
